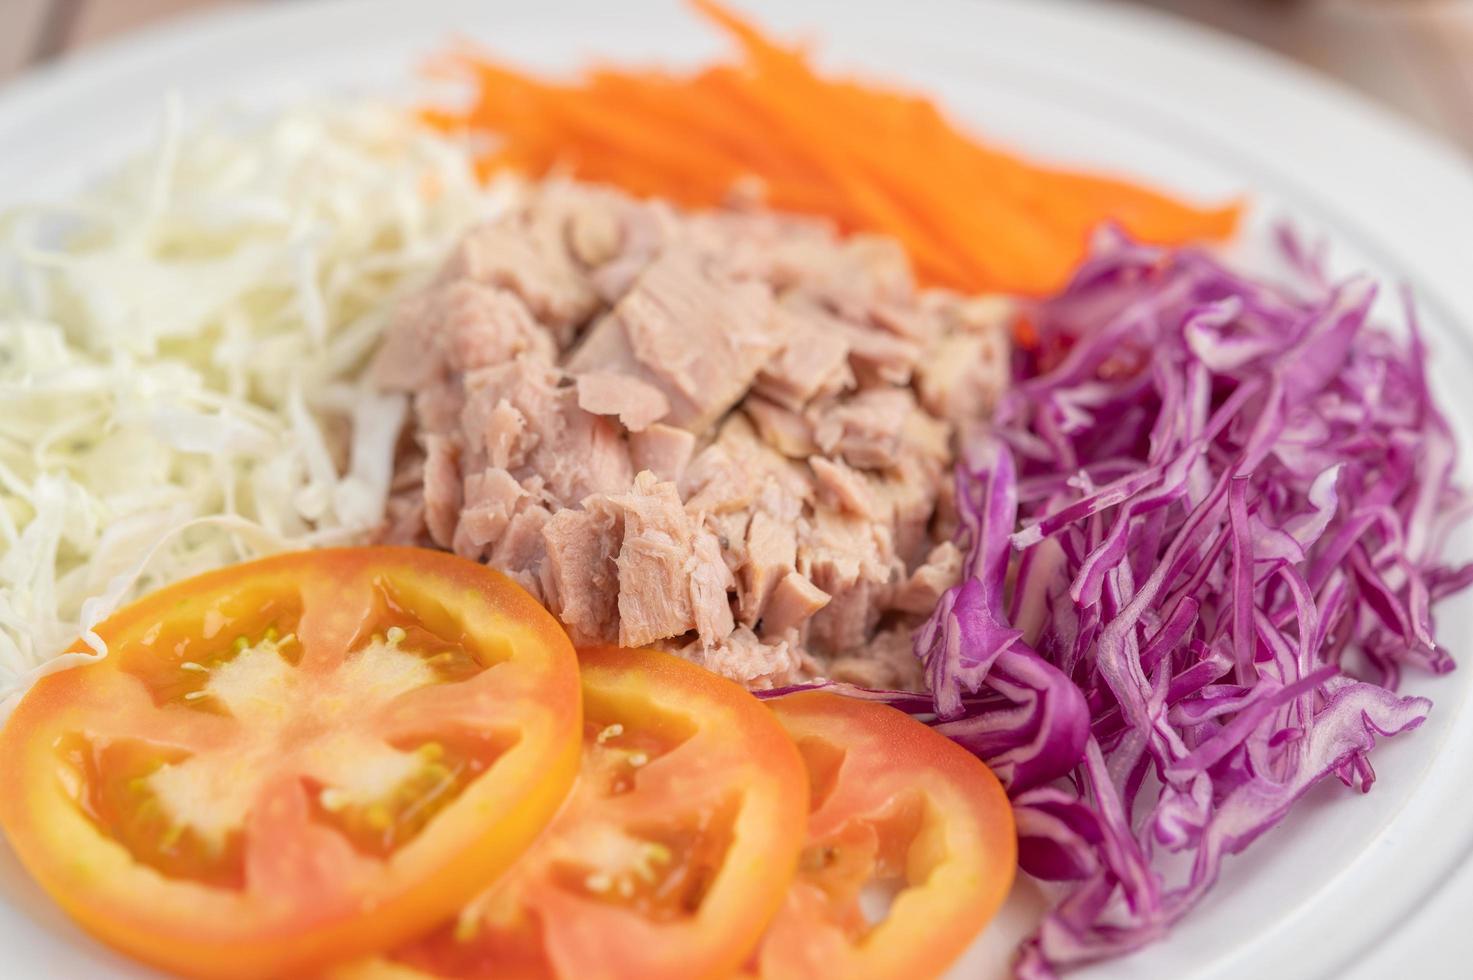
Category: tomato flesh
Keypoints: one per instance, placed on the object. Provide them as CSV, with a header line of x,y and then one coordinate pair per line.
x,y
911,847
294,760
673,851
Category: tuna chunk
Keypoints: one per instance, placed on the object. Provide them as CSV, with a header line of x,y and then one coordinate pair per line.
x,y
689,330
865,429
658,547
865,272
905,501
964,377
491,498
527,254
877,357
740,471
580,577
803,256
595,233
751,661
571,452
784,430
710,583
437,408
771,553
644,229
638,405
941,570
456,326
502,434
794,601
730,529
842,488
633,568
663,450
813,361
442,488
520,550
850,559
888,662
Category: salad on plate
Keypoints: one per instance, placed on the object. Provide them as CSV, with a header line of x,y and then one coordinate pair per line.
x,y
736,521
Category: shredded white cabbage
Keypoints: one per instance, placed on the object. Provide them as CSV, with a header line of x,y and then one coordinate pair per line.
x,y
178,358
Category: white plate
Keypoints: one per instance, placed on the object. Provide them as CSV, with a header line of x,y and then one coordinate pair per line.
x,y
1330,892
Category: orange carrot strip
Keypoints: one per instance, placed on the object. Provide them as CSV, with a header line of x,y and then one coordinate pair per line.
x,y
871,159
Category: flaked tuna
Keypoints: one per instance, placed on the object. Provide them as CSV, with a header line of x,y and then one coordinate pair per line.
x,y
729,434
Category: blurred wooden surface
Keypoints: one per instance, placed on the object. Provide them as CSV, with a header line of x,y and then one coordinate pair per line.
x,y
1413,55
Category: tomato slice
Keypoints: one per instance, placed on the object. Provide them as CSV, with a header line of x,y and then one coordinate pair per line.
x,y
899,813
294,760
673,851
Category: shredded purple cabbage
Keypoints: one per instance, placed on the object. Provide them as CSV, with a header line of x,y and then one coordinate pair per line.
x,y
1202,544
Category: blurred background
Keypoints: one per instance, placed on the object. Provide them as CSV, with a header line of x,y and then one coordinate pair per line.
x,y
1415,56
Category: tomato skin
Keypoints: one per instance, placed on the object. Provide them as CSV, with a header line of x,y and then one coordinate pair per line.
x,y
196,929
731,742
888,790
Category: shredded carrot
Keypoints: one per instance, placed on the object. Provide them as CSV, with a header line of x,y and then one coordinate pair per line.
x,y
972,217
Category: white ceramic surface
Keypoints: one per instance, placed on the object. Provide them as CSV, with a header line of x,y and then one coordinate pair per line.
x,y
1348,887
